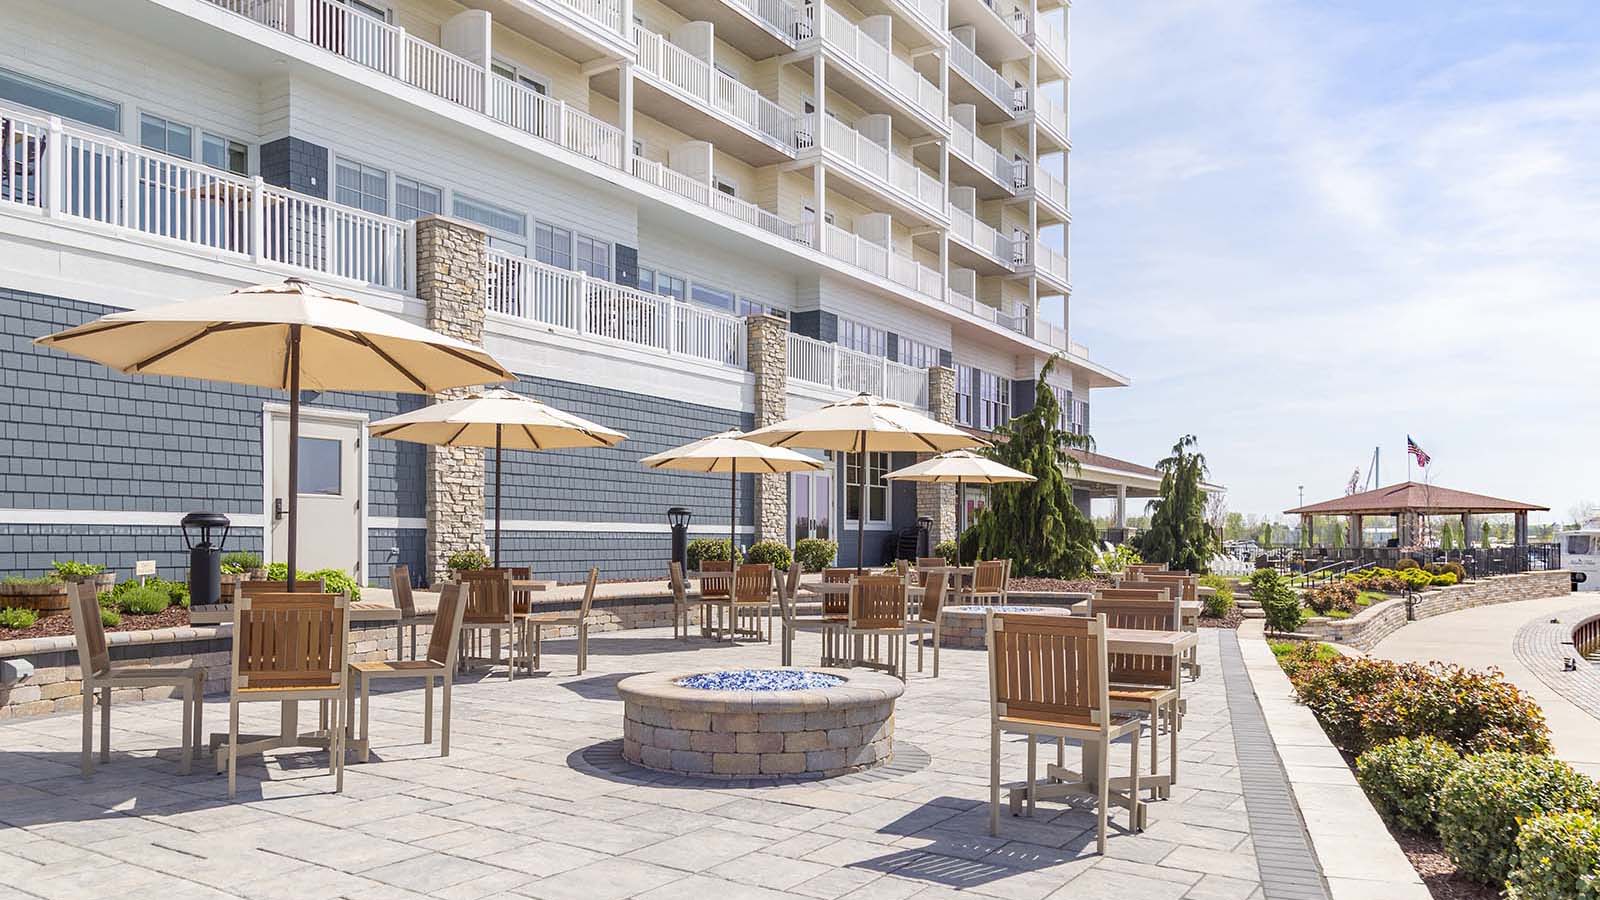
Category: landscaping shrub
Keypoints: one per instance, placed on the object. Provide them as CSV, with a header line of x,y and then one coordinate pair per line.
x,y
1402,779
239,562
1483,803
109,618
707,548
1443,579
1385,581
1117,559
1292,654
16,617
461,560
1406,563
773,552
72,570
143,600
176,592
1558,858
335,581
1220,604
1334,596
1363,702
946,549
1415,578
817,554
1277,599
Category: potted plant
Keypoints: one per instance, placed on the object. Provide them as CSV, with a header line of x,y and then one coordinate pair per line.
x,y
241,565
468,560
45,594
78,572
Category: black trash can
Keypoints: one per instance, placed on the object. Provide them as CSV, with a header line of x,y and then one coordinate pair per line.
x,y
205,555
679,517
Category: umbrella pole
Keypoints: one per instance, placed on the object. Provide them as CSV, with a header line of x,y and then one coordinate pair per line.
x,y
294,446
861,514
961,511
733,512
497,466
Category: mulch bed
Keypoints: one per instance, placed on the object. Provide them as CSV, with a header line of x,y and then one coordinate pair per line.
x,y
1231,620
1438,872
1081,585
60,624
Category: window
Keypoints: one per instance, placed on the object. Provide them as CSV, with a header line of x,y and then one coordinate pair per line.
x,y
361,186
552,245
508,229
413,199
372,10
863,338
647,280
1064,400
964,379
751,307
318,465
671,286
917,354
727,187
64,102
219,152
877,487
166,136
715,298
1580,544
594,257
994,401
514,73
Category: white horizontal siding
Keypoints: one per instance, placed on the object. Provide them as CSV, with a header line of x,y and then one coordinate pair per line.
x,y
859,304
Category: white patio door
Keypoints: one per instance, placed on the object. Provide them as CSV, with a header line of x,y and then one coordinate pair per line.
x,y
811,505
331,488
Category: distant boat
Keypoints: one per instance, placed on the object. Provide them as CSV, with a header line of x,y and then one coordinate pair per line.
x,y
1580,552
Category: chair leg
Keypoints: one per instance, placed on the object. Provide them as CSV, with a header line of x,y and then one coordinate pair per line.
x,y
1172,738
938,637
1103,782
233,747
349,708
1033,770
88,728
1135,804
444,738
538,645
1155,727
994,779
427,709
366,715
188,728
199,708
336,746
583,646
105,724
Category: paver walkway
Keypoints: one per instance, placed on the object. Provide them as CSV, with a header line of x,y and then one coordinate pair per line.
x,y
528,806
1485,636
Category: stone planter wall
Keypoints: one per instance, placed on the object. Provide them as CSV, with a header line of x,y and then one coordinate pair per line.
x,y
1366,629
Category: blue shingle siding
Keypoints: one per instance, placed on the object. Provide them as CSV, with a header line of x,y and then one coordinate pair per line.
x,y
30,549
388,546
567,556
295,164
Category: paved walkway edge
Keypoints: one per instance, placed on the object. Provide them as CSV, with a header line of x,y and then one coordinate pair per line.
x,y
1358,857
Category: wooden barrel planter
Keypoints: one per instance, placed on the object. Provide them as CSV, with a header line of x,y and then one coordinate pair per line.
x,y
41,598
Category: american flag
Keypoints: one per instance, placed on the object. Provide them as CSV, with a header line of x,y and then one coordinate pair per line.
x,y
1415,449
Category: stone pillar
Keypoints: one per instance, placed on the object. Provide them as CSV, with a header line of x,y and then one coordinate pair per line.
x,y
768,359
1466,530
452,281
1122,506
1355,531
938,501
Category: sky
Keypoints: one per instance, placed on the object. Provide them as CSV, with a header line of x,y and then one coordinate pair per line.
x,y
1308,229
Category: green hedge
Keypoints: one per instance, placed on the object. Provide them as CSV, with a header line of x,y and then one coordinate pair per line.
x,y
1483,803
17,617
1403,778
815,554
772,552
1558,858
1220,603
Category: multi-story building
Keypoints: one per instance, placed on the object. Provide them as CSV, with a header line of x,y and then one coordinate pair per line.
x,y
670,216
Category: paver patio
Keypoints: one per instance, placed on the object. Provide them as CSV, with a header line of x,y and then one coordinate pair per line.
x,y
533,802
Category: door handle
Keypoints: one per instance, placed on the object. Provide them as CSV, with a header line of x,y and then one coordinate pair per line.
x,y
277,509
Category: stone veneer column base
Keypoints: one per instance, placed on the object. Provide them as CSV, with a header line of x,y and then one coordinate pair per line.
x,y
938,501
768,358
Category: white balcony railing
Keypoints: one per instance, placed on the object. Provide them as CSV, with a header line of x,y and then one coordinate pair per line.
x,y
1014,15
830,365
702,83
880,260
779,15
607,12
1052,116
62,172
574,302
1050,188
1050,333
705,195
1050,262
982,156
1051,40
1079,350
894,73
982,237
553,120
991,83
879,164
970,304
930,12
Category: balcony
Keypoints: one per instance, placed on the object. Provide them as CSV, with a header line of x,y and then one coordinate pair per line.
x,y
878,173
877,80
917,23
1052,194
854,250
760,29
576,303
969,304
705,195
1051,43
849,371
1051,266
1000,28
979,84
979,164
72,175
1052,120
977,245
688,93
583,30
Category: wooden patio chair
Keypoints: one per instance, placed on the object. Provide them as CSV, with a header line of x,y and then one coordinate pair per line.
x,y
579,619
100,674
989,583
791,581
752,595
1048,678
489,608
929,613
400,586
439,665
680,600
1145,683
1186,588
878,611
257,588
787,588
716,593
290,648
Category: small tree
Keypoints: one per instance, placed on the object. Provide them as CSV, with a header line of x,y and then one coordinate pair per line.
x,y
1266,534
1179,534
1486,533
1035,524
1447,537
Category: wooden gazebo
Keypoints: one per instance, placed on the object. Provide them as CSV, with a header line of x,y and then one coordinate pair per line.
x,y
1407,503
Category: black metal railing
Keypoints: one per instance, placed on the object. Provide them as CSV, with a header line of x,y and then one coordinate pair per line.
x,y
1478,561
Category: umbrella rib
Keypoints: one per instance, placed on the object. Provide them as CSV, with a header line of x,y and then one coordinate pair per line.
x,y
529,432
87,331
359,338
499,373
204,332
458,433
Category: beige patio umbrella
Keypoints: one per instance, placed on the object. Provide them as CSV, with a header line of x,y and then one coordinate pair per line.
x,y
287,335
730,452
960,468
866,424
500,419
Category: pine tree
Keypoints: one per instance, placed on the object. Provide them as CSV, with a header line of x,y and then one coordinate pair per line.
x,y
1035,524
1179,534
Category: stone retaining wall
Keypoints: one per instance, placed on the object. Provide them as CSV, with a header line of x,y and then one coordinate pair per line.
x,y
56,684
1366,629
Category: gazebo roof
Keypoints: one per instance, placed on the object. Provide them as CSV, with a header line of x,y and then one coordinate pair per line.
x,y
1412,496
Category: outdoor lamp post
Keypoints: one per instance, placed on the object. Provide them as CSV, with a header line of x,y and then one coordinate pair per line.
x,y
679,517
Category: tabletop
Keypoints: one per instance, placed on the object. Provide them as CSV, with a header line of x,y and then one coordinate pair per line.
x,y
360,611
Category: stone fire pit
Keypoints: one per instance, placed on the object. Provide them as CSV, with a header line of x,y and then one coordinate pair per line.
x,y
964,627
738,723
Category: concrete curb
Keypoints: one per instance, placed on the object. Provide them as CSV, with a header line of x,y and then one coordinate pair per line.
x,y
1358,857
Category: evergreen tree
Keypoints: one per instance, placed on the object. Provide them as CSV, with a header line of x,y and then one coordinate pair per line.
x,y
1266,534
1179,534
1035,524
1447,536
